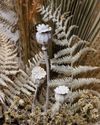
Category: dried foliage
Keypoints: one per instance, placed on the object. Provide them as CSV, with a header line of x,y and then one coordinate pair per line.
x,y
84,112
85,14
13,80
66,61
17,88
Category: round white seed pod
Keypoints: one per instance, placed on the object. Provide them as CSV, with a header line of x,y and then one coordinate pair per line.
x,y
43,33
61,93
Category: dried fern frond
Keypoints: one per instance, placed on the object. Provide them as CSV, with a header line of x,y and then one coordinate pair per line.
x,y
84,15
20,83
73,49
35,61
5,22
8,17
65,60
8,55
58,82
8,21
13,80
68,70
6,84
25,82
73,83
38,58
71,59
2,97
63,42
77,83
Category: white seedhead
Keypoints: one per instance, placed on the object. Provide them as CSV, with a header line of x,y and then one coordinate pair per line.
x,y
61,93
43,33
38,73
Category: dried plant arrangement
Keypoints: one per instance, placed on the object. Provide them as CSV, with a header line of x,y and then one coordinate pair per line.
x,y
45,82
66,61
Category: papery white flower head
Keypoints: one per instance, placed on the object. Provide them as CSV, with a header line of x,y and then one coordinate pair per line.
x,y
38,73
43,33
61,90
42,28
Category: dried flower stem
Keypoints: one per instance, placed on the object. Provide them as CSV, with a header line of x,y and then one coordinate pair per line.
x,y
34,98
48,74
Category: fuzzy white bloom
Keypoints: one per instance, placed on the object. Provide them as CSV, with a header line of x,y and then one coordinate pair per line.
x,y
43,33
38,73
62,90
61,93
